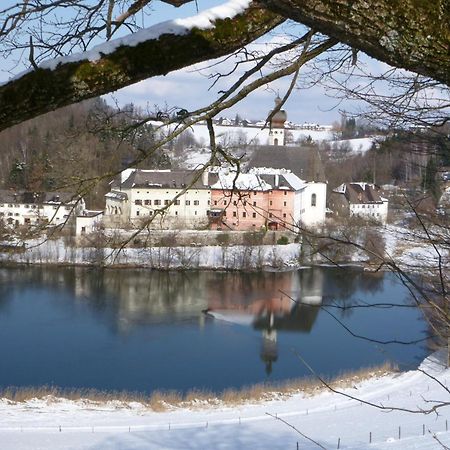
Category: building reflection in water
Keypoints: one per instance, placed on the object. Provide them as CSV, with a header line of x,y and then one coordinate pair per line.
x,y
280,303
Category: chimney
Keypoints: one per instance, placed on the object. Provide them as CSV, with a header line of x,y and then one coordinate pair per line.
x,y
277,180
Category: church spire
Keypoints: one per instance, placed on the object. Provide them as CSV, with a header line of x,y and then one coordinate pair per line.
x,y
276,133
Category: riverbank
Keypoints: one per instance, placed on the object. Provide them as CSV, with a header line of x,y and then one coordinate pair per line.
x,y
390,244
381,412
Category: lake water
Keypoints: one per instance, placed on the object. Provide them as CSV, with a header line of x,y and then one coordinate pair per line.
x,y
141,330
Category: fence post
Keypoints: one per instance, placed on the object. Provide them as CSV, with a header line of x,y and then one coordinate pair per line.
x,y
423,430
370,437
399,433
60,428
339,443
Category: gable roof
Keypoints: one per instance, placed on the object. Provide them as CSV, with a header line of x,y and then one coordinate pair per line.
x,y
173,179
303,161
359,193
23,197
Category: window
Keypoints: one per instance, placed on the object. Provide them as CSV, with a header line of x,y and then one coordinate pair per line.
x,y
188,202
177,202
244,214
176,213
224,202
147,202
83,230
285,192
235,203
196,202
270,203
137,212
234,214
254,203
215,202
284,204
313,199
166,202
284,215
150,213
157,202
224,214
27,220
195,213
254,215
270,215
138,202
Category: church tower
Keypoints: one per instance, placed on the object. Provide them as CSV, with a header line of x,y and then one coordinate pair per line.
x,y
276,133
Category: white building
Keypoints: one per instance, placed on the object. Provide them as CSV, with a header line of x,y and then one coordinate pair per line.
x,y
359,199
88,222
19,208
163,198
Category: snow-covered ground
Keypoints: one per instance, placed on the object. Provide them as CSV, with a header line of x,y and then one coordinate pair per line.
x,y
253,135
329,419
357,145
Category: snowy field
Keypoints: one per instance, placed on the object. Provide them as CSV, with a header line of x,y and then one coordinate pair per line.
x,y
253,135
326,418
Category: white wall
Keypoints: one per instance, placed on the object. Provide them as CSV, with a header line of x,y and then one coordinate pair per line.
x,y
376,211
88,224
35,214
312,215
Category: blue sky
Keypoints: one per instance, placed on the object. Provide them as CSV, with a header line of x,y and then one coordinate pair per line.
x,y
189,88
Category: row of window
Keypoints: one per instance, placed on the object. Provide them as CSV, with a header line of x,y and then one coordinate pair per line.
x,y
166,202
368,206
150,213
235,203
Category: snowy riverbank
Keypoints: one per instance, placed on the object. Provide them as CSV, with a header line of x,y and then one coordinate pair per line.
x,y
238,257
326,418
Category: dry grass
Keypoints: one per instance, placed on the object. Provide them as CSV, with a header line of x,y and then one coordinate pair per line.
x,y
163,400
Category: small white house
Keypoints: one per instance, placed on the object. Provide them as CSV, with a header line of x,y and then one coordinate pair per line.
x,y
88,222
359,199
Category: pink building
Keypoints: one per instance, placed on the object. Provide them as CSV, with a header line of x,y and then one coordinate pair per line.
x,y
251,202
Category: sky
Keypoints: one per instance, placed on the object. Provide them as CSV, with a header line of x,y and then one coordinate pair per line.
x,y
190,88
307,105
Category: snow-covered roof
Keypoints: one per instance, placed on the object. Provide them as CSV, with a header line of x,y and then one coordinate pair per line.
x,y
242,181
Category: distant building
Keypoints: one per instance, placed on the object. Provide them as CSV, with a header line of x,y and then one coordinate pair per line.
x,y
265,198
23,208
303,162
173,199
359,199
276,132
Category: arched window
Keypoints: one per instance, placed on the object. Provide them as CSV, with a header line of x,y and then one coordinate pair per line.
x,y
275,141
313,199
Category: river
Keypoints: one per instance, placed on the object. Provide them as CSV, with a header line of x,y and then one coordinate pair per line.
x,y
142,330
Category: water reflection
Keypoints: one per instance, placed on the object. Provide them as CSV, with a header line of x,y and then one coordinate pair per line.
x,y
107,328
278,302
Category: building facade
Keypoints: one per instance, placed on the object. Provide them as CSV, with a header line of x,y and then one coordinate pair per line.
x,y
23,208
161,198
359,199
